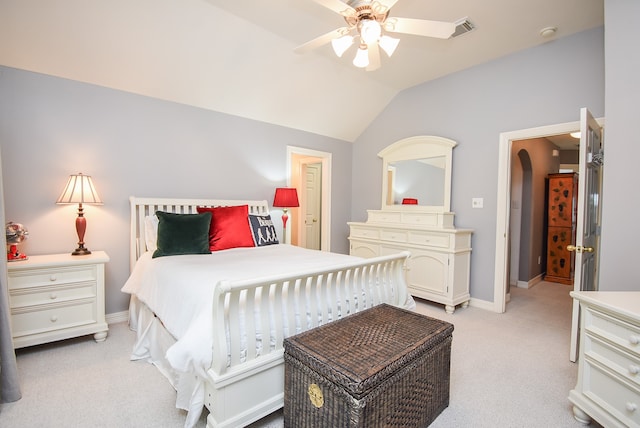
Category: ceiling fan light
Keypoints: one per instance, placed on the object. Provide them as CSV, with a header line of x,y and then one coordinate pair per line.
x,y
341,44
362,57
388,44
370,31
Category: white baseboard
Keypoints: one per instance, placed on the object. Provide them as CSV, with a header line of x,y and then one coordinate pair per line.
x,y
531,282
482,304
117,317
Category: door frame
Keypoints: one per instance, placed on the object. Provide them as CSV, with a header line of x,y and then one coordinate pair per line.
x,y
293,168
501,278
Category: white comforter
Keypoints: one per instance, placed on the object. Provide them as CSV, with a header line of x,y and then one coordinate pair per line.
x,y
189,281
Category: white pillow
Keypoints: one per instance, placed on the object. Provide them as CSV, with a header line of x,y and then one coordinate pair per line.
x,y
151,232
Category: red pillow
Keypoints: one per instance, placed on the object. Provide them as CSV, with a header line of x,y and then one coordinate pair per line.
x,y
229,227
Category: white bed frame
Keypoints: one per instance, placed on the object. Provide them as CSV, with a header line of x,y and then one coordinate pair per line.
x,y
239,392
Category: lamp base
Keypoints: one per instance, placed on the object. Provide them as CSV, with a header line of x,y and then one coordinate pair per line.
x,y
81,251
81,226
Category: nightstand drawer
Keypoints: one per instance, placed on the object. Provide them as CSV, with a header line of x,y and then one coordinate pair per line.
x,y
619,399
615,330
30,278
54,294
626,365
26,321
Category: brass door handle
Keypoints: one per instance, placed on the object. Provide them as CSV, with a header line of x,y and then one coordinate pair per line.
x,y
580,249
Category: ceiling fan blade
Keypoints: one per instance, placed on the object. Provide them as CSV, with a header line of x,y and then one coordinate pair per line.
x,y
337,6
382,6
374,56
420,27
322,40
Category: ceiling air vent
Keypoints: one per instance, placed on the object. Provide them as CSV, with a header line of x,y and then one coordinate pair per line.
x,y
463,26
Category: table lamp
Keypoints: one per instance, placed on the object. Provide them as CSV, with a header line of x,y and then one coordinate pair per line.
x,y
285,197
80,190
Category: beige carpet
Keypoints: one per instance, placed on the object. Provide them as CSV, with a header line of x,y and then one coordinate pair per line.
x,y
507,370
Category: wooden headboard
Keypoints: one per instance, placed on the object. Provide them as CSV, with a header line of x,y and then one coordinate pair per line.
x,y
142,207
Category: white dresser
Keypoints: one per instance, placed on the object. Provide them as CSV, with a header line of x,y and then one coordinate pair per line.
x,y
608,387
58,296
439,265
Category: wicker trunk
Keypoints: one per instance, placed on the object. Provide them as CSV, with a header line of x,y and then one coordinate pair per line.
x,y
383,367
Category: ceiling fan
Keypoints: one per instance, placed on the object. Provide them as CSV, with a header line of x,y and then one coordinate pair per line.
x,y
366,21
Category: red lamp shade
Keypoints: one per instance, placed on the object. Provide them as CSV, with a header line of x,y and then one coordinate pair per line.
x,y
286,197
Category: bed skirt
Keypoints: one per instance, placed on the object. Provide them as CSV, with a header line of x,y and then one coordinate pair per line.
x,y
152,343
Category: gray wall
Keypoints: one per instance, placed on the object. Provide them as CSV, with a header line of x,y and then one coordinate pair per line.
x,y
541,86
133,145
620,201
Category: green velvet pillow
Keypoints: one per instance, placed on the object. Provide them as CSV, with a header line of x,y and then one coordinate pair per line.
x,y
182,234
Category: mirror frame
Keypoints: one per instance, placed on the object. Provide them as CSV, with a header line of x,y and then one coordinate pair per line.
x,y
418,147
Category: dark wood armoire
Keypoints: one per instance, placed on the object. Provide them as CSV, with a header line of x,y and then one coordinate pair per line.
x,y
561,227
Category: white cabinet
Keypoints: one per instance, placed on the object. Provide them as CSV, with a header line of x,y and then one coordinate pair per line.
x,y
608,387
439,265
59,296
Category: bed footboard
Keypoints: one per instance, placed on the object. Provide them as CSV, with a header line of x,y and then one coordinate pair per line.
x,y
251,319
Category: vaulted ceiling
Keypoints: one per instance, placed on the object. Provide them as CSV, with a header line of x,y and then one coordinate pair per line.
x,y
236,56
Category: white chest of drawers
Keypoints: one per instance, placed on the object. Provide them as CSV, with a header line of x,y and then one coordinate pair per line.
x,y
439,265
608,387
58,296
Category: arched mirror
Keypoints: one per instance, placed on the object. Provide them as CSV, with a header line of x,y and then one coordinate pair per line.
x,y
416,174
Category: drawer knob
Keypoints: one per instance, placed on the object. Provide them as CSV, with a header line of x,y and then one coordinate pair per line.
x,y
631,407
54,318
633,369
53,278
634,340
53,296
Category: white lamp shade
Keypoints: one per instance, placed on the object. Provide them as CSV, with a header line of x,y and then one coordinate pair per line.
x,y
370,31
341,44
79,190
362,57
388,44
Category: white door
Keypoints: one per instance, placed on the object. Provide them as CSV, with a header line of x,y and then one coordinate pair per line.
x,y
588,216
312,174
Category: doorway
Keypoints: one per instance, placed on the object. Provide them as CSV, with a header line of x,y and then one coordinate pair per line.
x,y
310,173
504,231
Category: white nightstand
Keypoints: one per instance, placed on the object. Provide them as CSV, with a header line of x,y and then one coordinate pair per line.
x,y
57,296
608,387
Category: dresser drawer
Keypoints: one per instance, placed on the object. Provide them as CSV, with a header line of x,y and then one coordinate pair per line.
x,y
393,235
27,321
54,294
364,232
41,277
421,219
612,329
432,239
384,217
618,398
